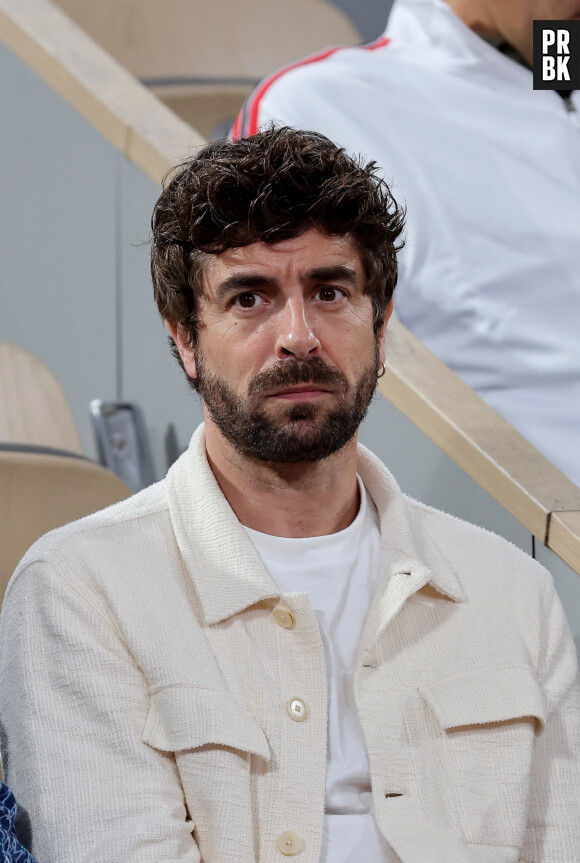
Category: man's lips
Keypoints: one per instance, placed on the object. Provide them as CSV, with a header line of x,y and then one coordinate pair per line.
x,y
300,391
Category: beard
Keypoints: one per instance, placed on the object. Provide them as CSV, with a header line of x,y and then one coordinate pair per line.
x,y
304,432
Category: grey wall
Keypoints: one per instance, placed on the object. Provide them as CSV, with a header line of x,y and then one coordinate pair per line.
x,y
74,283
75,290
57,235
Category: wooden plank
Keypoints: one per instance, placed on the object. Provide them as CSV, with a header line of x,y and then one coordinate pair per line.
x,y
98,87
457,420
564,537
221,38
33,406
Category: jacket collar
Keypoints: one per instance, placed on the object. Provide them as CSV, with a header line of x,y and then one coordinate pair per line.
x,y
432,30
417,561
228,573
401,532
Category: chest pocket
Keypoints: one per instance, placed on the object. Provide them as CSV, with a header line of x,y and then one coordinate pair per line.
x,y
185,718
218,748
488,722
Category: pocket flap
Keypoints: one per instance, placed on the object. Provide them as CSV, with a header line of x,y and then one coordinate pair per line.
x,y
183,717
486,696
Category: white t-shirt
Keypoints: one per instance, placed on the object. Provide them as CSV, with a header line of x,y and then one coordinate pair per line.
x,y
341,573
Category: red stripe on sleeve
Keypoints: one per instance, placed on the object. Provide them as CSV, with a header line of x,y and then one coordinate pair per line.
x,y
246,123
236,129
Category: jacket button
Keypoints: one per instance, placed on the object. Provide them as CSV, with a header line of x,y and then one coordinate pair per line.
x,y
289,843
284,617
296,709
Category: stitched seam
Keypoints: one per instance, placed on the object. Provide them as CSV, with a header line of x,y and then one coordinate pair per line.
x,y
416,504
48,557
493,845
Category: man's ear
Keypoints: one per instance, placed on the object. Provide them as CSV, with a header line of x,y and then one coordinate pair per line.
x,y
186,352
383,331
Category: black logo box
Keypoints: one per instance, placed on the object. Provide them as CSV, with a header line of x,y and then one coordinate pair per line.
x,y
551,39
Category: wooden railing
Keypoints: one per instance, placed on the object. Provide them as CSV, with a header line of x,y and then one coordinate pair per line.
x,y
99,88
456,419
481,442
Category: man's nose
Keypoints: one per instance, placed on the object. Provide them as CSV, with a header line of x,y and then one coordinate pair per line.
x,y
296,336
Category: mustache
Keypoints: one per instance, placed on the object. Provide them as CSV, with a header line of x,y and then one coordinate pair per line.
x,y
292,372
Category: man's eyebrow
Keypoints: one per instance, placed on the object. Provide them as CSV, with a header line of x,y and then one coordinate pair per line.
x,y
254,281
338,273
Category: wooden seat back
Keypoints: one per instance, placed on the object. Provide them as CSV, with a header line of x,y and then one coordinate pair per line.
x,y
33,406
39,492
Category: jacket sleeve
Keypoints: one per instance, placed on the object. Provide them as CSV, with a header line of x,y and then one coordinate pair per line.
x,y
73,706
553,829
280,99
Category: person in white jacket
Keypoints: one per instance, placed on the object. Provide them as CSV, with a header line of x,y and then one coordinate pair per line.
x,y
490,171
273,653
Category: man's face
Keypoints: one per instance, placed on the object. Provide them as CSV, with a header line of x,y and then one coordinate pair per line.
x,y
286,356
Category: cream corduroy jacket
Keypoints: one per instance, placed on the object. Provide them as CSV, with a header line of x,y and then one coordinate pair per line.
x,y
144,684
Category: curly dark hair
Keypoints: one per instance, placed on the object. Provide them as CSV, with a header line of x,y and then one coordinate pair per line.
x,y
270,187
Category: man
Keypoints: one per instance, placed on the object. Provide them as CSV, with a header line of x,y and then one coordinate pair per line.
x,y
274,653
490,171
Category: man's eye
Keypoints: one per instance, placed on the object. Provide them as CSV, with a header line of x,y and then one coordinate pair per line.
x,y
248,300
329,295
